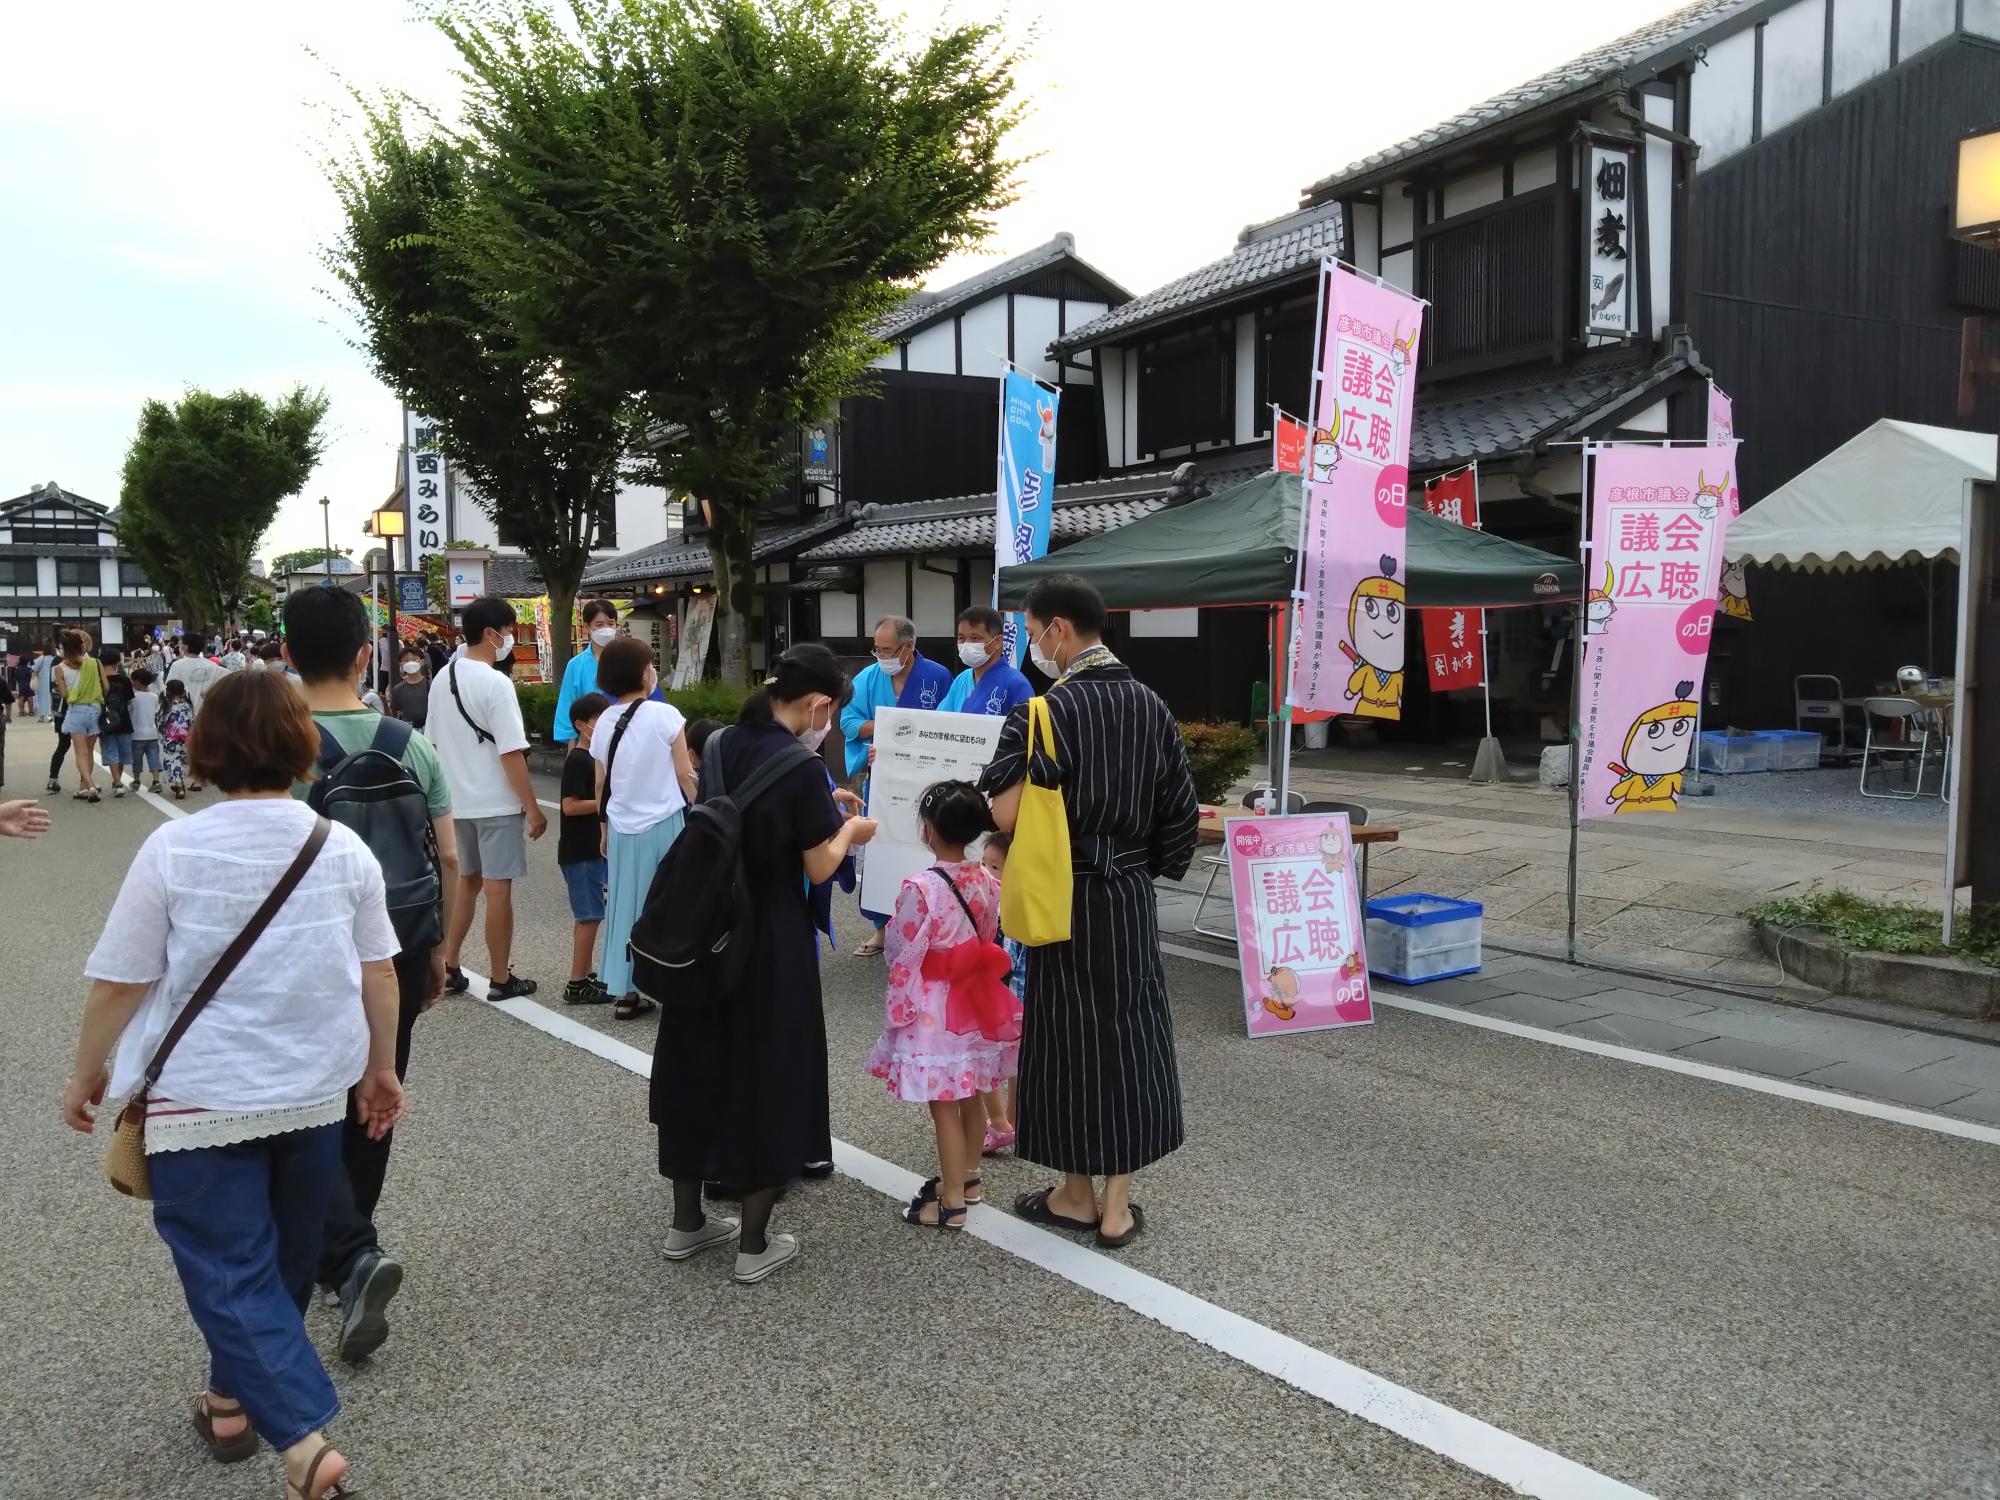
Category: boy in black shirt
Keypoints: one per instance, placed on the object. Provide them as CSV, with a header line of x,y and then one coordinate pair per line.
x,y
579,851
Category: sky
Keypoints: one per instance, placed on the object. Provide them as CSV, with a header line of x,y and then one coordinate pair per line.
x,y
164,208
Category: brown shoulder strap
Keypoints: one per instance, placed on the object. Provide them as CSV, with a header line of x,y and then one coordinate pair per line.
x,y
233,954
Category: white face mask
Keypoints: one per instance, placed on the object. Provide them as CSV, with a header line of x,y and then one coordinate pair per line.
x,y
972,653
506,646
889,661
604,635
412,668
813,738
1048,666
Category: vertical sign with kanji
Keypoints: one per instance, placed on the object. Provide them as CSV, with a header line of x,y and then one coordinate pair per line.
x,y
1656,538
424,488
1347,656
1288,444
1298,923
1454,639
1611,269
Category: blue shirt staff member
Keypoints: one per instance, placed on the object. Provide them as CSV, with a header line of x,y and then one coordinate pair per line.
x,y
600,623
990,684
899,677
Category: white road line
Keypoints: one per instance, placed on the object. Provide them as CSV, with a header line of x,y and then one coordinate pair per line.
x,y
1666,1062
1451,1434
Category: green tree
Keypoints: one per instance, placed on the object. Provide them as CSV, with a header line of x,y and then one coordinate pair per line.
x,y
305,557
203,480
707,203
257,613
538,445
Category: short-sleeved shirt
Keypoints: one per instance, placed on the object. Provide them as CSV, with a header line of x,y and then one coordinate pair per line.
x,y
479,787
354,728
411,699
576,840
1002,690
642,788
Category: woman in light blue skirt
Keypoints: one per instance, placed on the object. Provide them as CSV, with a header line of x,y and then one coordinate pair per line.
x,y
645,779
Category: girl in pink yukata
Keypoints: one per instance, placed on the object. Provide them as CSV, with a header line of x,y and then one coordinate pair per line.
x,y
952,1027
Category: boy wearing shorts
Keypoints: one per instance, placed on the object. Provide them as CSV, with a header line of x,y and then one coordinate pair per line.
x,y
579,852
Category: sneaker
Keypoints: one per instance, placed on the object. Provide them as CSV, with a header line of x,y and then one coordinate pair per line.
x,y
364,1323
586,991
118,791
54,785
682,1243
778,1249
513,989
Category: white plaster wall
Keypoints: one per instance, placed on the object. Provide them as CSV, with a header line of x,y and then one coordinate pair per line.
x,y
933,352
893,360
1534,169
1399,270
1982,17
467,522
1367,221
1249,421
1794,63
937,601
883,591
1721,109
1652,419
983,337
45,575
1035,320
836,614
1860,40
1475,190
1396,214
1113,410
1130,406
1660,212
1925,22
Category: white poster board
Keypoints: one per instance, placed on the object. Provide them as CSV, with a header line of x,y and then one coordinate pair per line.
x,y
914,748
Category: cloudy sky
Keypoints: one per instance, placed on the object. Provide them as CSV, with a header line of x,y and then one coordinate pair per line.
x,y
164,207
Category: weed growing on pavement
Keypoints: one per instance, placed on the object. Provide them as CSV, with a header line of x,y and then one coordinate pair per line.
x,y
1882,926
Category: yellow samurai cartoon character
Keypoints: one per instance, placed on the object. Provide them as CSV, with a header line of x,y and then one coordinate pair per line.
x,y
1375,644
1656,753
1281,993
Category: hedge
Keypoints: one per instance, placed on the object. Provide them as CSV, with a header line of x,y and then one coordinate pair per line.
x,y
705,700
1218,755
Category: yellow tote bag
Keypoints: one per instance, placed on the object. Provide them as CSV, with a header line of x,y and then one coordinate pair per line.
x,y
1035,895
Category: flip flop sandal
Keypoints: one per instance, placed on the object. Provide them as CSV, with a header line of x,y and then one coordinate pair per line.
x,y
1034,1207
229,1450
1120,1241
868,950
947,1218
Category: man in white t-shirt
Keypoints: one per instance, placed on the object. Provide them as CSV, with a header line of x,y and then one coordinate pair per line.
x,y
195,670
474,721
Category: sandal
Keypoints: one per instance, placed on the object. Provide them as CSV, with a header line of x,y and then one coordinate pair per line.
x,y
972,1185
455,982
1120,1241
1034,1207
947,1218
338,1490
870,949
229,1450
93,796
632,1005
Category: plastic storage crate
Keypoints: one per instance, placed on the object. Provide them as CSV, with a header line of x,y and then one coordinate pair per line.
x,y
1793,749
1734,754
1414,937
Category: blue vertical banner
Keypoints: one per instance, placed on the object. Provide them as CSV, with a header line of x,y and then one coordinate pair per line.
x,y
1027,485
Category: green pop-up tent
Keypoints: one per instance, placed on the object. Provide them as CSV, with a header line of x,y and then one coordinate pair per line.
x,y
1241,547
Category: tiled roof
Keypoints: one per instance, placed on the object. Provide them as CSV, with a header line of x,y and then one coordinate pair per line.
x,y
510,577
1264,253
1511,414
44,494
686,555
964,523
924,307
1580,75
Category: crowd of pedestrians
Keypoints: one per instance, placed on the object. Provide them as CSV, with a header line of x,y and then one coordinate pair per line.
x,y
366,842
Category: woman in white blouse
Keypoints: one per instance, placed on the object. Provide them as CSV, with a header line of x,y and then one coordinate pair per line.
x,y
243,1128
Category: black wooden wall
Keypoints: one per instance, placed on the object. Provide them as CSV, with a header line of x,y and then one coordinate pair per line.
x,y
1826,293
925,437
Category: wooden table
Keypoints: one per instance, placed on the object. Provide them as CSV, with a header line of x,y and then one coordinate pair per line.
x,y
1210,832
1941,704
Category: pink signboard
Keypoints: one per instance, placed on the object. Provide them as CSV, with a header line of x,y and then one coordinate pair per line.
x,y
1298,923
1657,521
1348,654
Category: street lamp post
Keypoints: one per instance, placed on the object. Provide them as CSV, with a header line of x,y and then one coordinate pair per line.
x,y
388,524
326,521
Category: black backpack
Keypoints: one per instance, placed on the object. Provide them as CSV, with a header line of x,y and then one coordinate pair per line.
x,y
374,793
695,923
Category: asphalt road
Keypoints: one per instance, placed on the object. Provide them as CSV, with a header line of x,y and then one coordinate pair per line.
x,y
1689,1288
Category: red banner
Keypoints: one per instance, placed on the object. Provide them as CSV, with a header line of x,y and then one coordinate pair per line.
x,y
1452,649
1454,498
1289,446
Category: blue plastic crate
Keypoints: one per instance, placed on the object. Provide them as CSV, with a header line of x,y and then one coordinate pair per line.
x,y
1414,937
1792,749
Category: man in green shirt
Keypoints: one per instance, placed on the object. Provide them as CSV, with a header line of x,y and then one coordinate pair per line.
x,y
327,642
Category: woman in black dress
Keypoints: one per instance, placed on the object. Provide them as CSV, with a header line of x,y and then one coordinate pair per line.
x,y
1100,1093
739,1091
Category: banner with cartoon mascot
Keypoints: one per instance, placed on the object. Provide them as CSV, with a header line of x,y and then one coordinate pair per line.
x,y
1298,923
1655,551
1347,656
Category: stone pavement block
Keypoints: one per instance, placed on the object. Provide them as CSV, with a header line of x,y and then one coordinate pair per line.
x,y
1685,968
1754,1057
1647,925
1504,898
1983,1106
1558,981
1637,1031
1724,937
1975,1066
1466,989
1888,1083
1747,971
1839,1038
1646,1006
1536,1010
1552,913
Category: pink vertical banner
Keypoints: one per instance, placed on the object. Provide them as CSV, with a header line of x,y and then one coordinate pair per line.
x,y
1298,923
1657,520
1348,654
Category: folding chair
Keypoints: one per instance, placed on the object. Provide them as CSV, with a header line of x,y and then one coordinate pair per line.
x,y
1907,735
1217,863
1818,699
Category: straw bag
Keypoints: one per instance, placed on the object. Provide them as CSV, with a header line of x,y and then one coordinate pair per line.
x,y
1035,896
125,1158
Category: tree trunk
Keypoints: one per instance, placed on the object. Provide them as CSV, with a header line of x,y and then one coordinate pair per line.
x,y
562,641
732,541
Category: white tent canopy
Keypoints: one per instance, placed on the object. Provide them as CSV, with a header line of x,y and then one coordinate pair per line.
x,y
1893,493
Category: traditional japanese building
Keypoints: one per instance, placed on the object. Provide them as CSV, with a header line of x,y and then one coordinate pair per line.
x,y
61,566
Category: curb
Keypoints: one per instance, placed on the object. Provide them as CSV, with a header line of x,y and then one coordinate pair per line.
x,y
1942,985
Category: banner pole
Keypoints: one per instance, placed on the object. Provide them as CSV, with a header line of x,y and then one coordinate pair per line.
x,y
1580,616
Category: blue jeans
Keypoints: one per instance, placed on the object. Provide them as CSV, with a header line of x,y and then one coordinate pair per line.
x,y
243,1223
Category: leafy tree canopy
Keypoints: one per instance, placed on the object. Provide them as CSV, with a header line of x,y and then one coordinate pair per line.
x,y
305,557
